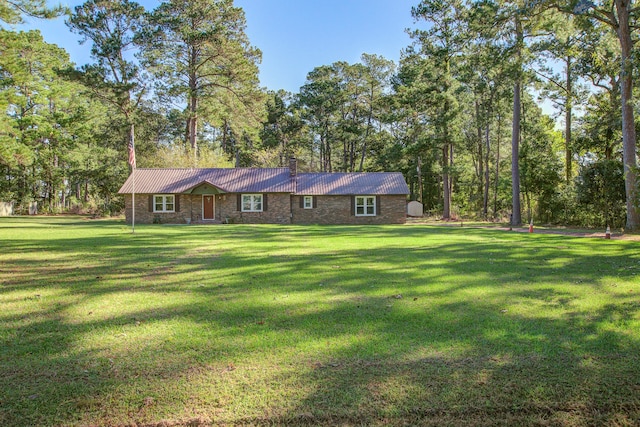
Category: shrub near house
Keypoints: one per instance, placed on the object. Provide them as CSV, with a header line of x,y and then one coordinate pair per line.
x,y
268,195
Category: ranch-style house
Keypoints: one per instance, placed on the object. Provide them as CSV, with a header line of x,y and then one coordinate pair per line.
x,y
265,195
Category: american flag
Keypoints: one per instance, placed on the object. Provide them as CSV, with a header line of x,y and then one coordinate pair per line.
x,y
132,153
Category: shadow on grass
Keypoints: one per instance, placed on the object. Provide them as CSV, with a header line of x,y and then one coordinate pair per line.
x,y
317,325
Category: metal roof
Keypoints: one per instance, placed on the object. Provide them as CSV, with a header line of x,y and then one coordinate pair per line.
x,y
355,183
236,180
266,180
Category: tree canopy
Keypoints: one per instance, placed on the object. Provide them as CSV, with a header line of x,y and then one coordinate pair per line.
x,y
464,114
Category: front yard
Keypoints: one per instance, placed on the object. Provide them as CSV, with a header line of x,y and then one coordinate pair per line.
x,y
335,325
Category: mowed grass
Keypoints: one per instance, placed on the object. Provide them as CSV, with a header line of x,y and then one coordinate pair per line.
x,y
371,325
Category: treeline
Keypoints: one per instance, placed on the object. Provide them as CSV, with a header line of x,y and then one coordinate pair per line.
x,y
459,115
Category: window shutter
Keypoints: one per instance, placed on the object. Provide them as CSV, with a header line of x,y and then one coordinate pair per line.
x,y
353,205
377,205
239,203
301,202
151,203
264,202
315,202
177,203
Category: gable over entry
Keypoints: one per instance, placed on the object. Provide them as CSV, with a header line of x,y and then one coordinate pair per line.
x,y
208,192
205,188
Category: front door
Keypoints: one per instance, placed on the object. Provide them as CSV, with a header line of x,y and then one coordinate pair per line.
x,y
207,206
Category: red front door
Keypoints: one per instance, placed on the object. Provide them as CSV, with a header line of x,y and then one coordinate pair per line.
x,y
207,207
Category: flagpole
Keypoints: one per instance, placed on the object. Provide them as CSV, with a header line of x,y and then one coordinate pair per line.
x,y
132,162
133,199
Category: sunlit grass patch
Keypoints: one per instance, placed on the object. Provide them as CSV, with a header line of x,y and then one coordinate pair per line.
x,y
372,325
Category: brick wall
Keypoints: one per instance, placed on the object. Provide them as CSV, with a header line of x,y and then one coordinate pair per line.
x,y
337,210
143,216
226,209
280,207
278,210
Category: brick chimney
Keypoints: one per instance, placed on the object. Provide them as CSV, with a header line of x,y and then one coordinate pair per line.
x,y
293,166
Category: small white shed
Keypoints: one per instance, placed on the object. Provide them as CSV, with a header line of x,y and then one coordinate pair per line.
x,y
6,208
414,208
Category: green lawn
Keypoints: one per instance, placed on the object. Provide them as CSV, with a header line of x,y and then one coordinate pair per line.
x,y
371,325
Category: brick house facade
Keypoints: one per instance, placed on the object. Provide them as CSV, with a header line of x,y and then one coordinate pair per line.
x,y
189,209
339,210
264,196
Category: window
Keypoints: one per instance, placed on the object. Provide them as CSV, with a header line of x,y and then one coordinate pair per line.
x,y
252,203
365,206
308,202
165,203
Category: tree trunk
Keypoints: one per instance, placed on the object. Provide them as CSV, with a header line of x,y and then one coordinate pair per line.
x,y
63,196
352,156
193,125
321,156
187,126
193,104
497,179
516,216
420,181
450,175
325,150
364,153
485,205
480,144
345,155
225,131
568,155
367,130
628,123
446,211
284,155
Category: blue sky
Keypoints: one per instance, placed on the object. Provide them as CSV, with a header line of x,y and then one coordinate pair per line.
x,y
295,36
